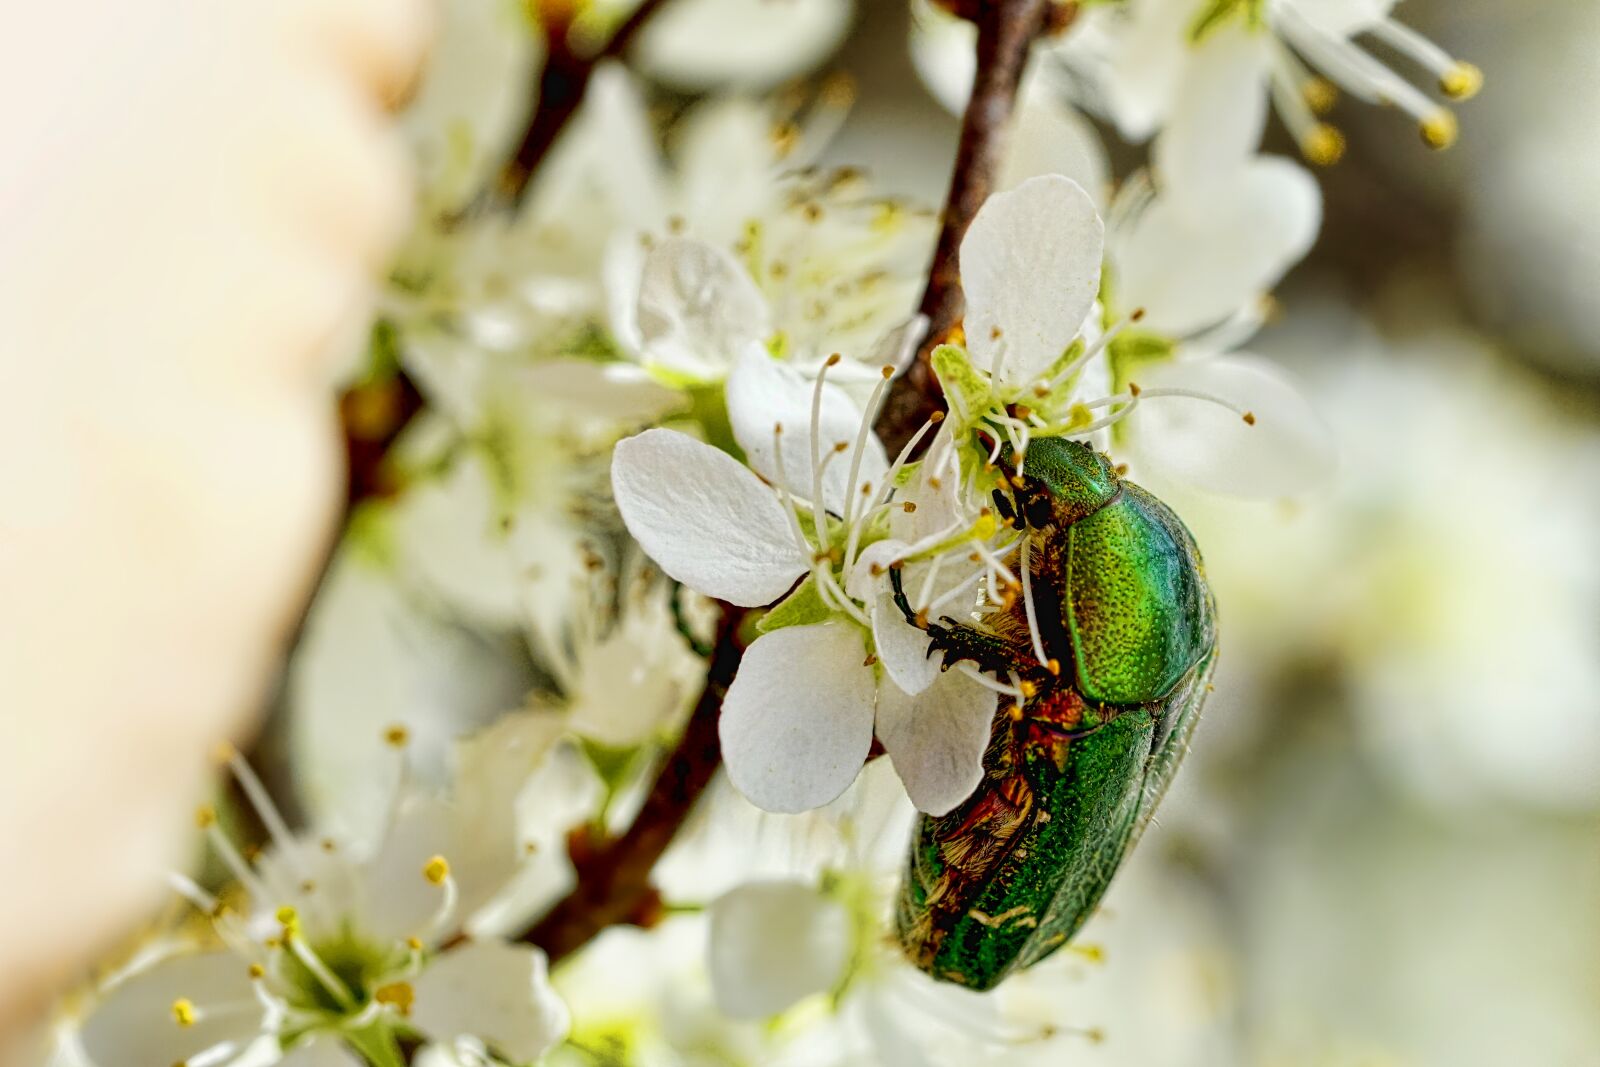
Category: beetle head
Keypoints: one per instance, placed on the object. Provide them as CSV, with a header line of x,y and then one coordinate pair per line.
x,y
1062,481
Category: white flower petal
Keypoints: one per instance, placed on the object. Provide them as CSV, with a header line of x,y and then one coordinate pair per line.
x,y
698,308
493,991
937,738
1147,55
1288,450
375,655
400,900
797,722
1216,121
901,647
492,767
763,393
774,943
698,44
704,518
134,1025
615,392
727,163
1189,270
1030,265
942,50
618,144
1052,138
898,345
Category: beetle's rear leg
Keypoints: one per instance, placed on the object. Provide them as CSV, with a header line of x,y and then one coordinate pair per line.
x,y
957,640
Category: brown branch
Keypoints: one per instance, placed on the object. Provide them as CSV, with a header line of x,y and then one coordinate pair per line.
x,y
1006,30
613,877
562,84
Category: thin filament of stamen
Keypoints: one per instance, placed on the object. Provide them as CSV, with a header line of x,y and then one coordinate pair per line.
x,y
1027,604
1415,46
953,592
817,508
871,416
929,579
990,683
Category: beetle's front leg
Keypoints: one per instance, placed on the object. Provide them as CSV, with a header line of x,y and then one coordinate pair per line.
x,y
957,640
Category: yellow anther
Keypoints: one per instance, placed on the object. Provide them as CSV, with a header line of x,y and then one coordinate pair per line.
x,y
257,971
1133,389
1324,145
183,1012
985,527
1249,418
1028,689
396,736
908,507
414,944
1092,953
397,995
888,372
1015,712
329,845
205,817
833,360
1320,95
936,418
289,918
1053,665
785,135
1461,82
224,752
1439,130
436,870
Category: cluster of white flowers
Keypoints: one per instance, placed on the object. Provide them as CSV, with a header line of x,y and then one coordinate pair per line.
x,y
654,385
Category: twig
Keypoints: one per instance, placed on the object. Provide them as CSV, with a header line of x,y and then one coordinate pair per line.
x,y
562,83
613,879
1006,29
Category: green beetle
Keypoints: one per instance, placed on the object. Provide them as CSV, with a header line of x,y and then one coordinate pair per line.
x,y
1074,772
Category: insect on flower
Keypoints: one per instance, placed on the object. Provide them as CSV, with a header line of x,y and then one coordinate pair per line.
x,y
1109,647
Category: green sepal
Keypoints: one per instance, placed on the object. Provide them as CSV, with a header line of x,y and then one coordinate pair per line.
x,y
1216,13
802,607
376,1044
1062,362
1132,350
966,389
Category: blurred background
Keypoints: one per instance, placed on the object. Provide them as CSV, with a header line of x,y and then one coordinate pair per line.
x,y
1385,849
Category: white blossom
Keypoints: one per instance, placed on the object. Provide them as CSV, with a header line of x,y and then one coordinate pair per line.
x,y
328,944
799,718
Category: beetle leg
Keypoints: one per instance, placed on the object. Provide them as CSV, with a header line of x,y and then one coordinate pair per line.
x,y
1002,507
955,639
958,641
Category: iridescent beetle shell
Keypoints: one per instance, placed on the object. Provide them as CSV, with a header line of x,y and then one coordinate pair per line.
x,y
1074,773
